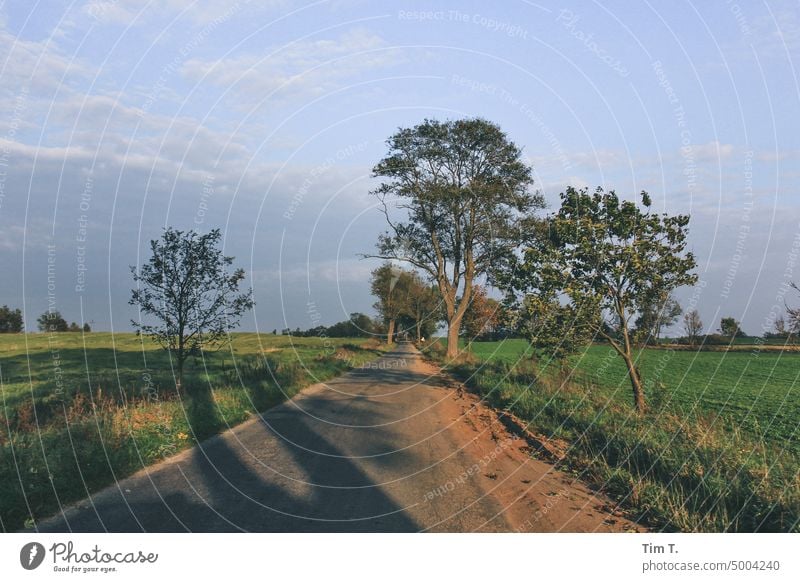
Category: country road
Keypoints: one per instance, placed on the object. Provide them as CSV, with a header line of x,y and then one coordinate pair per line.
x,y
391,447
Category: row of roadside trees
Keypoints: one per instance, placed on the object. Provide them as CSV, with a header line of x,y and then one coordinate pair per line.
x,y
582,272
457,198
406,302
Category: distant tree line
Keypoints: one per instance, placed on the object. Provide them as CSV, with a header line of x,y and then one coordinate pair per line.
x,y
53,321
357,325
11,321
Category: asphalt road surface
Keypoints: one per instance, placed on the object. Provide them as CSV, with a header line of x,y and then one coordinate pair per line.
x,y
391,447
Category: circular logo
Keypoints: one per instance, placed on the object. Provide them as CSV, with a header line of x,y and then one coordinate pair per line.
x,y
31,555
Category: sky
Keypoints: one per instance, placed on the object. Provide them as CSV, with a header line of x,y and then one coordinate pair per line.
x,y
265,118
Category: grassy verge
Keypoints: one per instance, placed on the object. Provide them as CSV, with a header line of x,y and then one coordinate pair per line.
x,y
79,412
687,471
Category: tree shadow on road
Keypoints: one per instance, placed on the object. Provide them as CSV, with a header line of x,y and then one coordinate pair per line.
x,y
224,485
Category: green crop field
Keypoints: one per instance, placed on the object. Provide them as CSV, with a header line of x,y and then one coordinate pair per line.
x,y
759,391
78,411
717,450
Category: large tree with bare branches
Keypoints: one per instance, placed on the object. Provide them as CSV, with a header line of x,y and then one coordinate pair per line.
x,y
463,188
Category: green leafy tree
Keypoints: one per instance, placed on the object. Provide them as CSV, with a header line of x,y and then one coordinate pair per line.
x,y
729,327
11,320
389,284
556,330
609,260
87,328
186,289
463,187
52,321
357,325
422,306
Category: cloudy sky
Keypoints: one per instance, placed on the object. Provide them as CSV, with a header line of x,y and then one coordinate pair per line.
x,y
264,119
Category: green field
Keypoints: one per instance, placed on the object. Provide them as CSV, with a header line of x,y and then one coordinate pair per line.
x,y
759,393
78,411
716,451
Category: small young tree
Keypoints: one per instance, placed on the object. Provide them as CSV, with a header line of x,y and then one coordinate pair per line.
x,y
10,320
87,328
610,260
693,326
52,321
186,288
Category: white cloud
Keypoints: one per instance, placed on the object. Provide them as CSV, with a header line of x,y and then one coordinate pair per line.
x,y
348,270
305,67
34,65
712,150
137,12
776,33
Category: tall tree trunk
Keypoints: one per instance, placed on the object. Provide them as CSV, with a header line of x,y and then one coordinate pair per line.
x,y
627,354
636,384
456,316
390,333
452,338
419,331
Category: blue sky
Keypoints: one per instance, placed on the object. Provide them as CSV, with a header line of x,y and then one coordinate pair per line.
x,y
264,119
